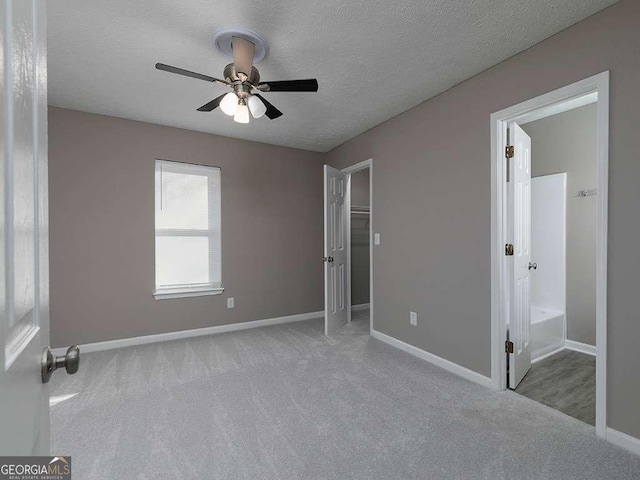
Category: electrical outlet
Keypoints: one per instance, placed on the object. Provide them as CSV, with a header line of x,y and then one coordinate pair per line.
x,y
231,303
413,318
376,239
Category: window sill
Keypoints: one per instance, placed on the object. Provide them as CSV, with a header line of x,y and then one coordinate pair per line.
x,y
186,292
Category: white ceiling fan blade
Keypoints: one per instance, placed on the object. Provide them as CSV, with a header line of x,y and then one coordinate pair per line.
x,y
242,55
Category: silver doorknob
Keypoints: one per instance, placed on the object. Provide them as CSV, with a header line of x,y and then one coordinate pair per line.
x,y
533,266
50,363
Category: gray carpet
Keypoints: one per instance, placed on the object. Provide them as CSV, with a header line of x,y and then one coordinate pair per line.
x,y
565,381
286,402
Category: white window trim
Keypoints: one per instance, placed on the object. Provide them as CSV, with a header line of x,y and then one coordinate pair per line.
x,y
186,291
167,293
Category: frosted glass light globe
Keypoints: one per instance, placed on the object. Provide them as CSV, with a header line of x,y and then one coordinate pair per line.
x,y
242,112
258,109
229,104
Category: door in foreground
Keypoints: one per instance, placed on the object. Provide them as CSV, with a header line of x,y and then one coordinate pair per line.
x,y
24,282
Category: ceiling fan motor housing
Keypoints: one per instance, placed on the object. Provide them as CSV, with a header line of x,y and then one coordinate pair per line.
x,y
242,89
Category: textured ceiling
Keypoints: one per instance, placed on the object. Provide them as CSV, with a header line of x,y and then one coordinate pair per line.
x,y
373,59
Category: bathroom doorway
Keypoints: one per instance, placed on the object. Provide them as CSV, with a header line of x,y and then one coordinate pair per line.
x,y
563,262
549,249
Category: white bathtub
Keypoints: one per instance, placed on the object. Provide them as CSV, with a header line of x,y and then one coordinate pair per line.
x,y
547,331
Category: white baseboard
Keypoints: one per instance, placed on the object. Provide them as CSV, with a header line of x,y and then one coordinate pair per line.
x,y
434,359
197,332
580,347
623,440
547,355
568,345
361,306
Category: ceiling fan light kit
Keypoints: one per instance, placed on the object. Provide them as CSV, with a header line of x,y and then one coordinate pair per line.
x,y
245,48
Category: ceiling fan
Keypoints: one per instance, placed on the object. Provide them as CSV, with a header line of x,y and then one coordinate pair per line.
x,y
244,79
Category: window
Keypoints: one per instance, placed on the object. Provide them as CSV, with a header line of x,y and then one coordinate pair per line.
x,y
188,253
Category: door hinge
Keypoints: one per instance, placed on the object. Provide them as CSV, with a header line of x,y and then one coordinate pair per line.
x,y
508,249
508,346
509,152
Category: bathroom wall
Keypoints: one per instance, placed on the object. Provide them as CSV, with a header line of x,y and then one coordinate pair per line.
x,y
360,225
567,143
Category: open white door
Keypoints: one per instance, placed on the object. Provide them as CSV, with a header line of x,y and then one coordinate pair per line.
x,y
520,286
335,250
24,282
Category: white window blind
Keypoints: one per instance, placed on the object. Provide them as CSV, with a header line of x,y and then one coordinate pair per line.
x,y
187,217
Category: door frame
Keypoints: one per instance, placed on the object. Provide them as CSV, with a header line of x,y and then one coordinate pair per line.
x,y
563,99
363,165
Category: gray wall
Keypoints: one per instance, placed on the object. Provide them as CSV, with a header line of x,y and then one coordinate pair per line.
x,y
431,184
360,239
101,184
568,143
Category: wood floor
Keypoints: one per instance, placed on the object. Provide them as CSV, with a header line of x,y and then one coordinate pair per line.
x,y
565,381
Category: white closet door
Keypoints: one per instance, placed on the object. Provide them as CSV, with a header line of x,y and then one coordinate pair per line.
x,y
335,250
